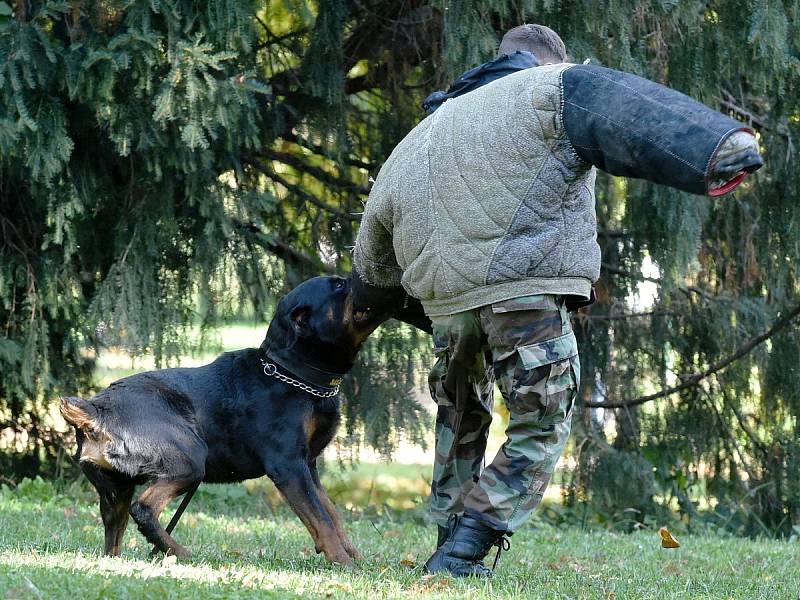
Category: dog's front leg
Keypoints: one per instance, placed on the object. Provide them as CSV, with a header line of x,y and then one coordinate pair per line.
x,y
330,508
296,485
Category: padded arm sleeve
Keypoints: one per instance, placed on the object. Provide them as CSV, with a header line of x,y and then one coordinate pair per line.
x,y
373,257
629,126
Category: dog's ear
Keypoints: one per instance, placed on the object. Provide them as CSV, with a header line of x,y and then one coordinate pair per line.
x,y
301,321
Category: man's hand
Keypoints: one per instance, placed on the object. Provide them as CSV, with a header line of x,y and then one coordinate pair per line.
x,y
737,155
375,303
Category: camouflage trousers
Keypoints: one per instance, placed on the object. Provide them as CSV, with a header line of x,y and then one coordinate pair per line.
x,y
527,346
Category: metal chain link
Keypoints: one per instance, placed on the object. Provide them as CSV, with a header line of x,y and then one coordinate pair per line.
x,y
270,370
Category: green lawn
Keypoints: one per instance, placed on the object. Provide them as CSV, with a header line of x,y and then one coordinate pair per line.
x,y
244,546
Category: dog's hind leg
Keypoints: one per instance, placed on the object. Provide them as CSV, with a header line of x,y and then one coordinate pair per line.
x,y
114,511
115,491
330,508
146,510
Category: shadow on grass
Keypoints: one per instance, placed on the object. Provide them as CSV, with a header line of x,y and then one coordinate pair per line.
x,y
25,580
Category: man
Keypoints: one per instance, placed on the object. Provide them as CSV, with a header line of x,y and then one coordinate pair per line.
x,y
523,47
485,213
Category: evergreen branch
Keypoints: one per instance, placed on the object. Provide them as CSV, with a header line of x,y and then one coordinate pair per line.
x,y
316,172
734,446
281,249
613,233
740,418
317,149
693,380
622,317
273,39
616,271
298,191
729,102
638,277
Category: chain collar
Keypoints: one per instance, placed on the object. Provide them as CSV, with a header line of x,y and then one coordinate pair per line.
x,y
270,370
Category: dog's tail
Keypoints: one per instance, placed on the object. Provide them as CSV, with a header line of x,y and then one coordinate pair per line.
x,y
92,437
79,413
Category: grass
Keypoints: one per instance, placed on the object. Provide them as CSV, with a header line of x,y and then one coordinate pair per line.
x,y
243,547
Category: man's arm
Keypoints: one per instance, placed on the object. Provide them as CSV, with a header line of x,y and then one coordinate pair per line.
x,y
629,126
373,256
376,275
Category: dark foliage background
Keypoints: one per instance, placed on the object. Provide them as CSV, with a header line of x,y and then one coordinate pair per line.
x,y
168,163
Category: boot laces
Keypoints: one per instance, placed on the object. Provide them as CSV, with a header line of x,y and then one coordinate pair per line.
x,y
502,543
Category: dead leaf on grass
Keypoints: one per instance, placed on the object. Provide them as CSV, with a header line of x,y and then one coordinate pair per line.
x,y
406,562
392,533
667,539
431,583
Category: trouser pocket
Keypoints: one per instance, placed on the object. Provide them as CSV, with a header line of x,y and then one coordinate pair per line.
x,y
545,379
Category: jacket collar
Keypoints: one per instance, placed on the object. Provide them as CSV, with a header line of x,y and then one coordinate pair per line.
x,y
503,65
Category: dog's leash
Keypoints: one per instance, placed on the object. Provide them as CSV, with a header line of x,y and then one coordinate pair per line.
x,y
176,517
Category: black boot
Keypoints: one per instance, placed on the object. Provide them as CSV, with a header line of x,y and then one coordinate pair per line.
x,y
444,533
463,551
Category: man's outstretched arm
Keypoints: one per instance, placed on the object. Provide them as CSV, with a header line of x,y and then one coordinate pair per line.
x,y
629,126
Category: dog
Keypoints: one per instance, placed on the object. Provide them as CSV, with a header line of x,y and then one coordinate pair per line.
x,y
266,411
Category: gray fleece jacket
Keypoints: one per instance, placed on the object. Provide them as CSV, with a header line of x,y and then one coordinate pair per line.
x,y
492,196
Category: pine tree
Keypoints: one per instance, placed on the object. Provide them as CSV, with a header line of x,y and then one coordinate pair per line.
x,y
159,157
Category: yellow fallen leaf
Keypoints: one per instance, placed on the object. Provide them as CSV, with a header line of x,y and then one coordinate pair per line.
x,y
408,563
667,539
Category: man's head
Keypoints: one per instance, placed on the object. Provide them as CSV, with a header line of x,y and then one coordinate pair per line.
x,y
539,40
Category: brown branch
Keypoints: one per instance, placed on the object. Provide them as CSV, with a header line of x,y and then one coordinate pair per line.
x,y
283,250
733,448
298,191
730,103
615,271
613,233
624,316
316,172
728,402
693,380
317,149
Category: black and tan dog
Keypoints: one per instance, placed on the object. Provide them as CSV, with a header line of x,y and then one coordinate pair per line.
x,y
252,412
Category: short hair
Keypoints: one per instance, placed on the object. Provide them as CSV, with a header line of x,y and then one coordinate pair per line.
x,y
542,41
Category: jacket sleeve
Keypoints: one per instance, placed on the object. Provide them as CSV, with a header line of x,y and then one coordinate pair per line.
x,y
629,126
388,302
373,257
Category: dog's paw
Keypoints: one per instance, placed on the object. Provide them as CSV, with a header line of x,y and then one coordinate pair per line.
x,y
177,552
340,558
353,551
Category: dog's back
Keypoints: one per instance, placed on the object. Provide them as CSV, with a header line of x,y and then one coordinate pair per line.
x,y
128,426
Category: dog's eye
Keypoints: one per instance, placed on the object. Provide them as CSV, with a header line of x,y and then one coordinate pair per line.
x,y
339,284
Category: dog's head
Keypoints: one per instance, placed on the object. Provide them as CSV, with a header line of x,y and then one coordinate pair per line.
x,y
315,324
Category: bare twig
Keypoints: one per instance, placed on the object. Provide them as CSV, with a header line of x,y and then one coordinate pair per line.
x,y
693,380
